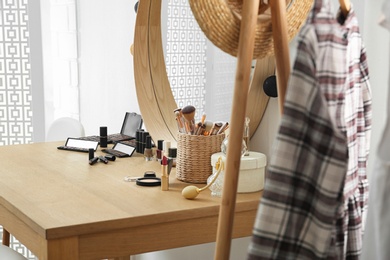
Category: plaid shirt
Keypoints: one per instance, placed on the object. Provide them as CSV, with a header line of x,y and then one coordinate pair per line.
x,y
315,195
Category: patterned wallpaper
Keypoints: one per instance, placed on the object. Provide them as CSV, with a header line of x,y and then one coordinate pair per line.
x,y
186,56
15,81
16,112
197,70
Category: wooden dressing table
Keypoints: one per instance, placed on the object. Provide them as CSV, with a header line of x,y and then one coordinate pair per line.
x,y
60,207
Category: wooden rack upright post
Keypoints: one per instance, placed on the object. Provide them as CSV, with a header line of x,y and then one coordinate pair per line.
x,y
244,59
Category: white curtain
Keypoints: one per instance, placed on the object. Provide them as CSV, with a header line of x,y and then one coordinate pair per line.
x,y
377,235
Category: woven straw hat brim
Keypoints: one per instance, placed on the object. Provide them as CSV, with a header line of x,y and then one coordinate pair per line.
x,y
221,25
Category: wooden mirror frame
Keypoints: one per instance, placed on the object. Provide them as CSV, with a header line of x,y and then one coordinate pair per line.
x,y
154,92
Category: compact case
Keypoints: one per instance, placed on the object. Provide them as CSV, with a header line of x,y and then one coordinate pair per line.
x,y
252,167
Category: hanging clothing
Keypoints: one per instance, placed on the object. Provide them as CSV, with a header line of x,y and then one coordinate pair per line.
x,y
376,242
315,195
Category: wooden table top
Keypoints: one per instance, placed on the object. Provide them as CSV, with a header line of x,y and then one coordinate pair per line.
x,y
58,194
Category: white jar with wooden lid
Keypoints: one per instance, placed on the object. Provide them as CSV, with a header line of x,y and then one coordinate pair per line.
x,y
251,175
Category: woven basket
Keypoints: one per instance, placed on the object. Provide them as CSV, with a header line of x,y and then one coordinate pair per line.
x,y
193,162
220,20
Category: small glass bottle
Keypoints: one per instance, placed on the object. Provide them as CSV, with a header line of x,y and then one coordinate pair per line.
x,y
225,146
159,151
172,153
216,187
246,135
148,152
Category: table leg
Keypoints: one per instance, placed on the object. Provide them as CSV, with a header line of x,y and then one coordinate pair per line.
x,y
63,249
6,237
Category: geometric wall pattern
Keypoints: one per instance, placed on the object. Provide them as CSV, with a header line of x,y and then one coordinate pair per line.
x,y
185,56
17,246
223,78
15,81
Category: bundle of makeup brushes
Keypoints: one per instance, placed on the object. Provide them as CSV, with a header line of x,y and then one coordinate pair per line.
x,y
185,119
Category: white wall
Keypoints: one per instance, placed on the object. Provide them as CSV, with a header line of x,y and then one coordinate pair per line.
x,y
60,59
103,82
377,43
107,90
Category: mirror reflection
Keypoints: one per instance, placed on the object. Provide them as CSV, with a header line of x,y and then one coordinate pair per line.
x,y
199,73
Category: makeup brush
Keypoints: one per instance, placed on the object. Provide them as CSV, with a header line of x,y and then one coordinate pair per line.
x,y
203,119
180,124
223,128
180,120
215,128
207,127
189,114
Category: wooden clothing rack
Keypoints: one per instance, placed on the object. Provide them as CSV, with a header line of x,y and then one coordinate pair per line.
x,y
245,52
345,6
244,59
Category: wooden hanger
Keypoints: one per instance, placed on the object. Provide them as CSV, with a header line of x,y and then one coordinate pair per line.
x,y
345,6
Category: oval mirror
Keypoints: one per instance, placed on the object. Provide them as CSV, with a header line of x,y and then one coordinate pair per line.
x,y
153,87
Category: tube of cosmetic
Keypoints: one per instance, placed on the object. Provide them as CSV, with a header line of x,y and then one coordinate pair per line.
x,y
164,174
159,151
103,136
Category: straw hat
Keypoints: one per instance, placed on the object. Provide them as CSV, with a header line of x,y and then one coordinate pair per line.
x,y
220,21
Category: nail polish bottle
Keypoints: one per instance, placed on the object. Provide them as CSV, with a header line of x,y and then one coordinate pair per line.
x,y
172,153
143,141
159,151
148,152
246,135
166,146
138,140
